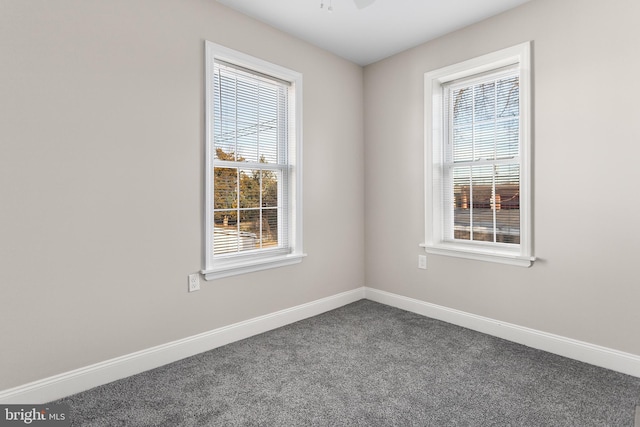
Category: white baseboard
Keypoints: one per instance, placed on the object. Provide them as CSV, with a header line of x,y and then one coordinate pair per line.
x,y
78,380
589,353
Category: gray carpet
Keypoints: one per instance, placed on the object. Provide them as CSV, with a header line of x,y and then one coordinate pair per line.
x,y
366,364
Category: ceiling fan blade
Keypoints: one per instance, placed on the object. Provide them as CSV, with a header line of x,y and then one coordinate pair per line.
x,y
361,4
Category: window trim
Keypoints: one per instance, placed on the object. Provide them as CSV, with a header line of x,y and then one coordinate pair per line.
x,y
219,267
434,243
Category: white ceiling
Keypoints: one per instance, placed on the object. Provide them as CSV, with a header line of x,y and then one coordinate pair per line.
x,y
374,32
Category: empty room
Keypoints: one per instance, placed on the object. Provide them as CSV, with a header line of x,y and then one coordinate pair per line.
x,y
319,212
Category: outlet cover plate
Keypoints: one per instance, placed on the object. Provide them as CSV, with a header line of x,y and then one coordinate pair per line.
x,y
194,282
422,262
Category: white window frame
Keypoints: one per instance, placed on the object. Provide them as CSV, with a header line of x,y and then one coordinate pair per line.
x,y
436,207
223,266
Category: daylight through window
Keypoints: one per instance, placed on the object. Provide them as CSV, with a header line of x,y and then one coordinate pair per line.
x,y
482,158
477,158
250,165
253,166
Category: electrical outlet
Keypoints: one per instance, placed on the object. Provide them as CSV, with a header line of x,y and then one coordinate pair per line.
x,y
194,282
422,262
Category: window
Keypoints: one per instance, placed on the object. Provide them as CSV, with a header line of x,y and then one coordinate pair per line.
x,y
253,214
477,158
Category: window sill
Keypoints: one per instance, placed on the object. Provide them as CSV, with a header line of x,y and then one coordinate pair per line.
x,y
249,266
480,254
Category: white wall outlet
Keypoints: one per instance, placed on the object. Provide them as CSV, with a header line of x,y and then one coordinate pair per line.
x,y
194,282
422,262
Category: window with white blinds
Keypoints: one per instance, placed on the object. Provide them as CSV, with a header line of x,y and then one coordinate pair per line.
x,y
253,169
481,167
477,158
250,161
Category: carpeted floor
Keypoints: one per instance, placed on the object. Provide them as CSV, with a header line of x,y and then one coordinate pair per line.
x,y
366,364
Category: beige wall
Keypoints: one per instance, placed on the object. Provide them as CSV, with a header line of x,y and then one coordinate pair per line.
x,y
101,145
587,130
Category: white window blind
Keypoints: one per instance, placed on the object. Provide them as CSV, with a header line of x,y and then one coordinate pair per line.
x,y
481,167
250,165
